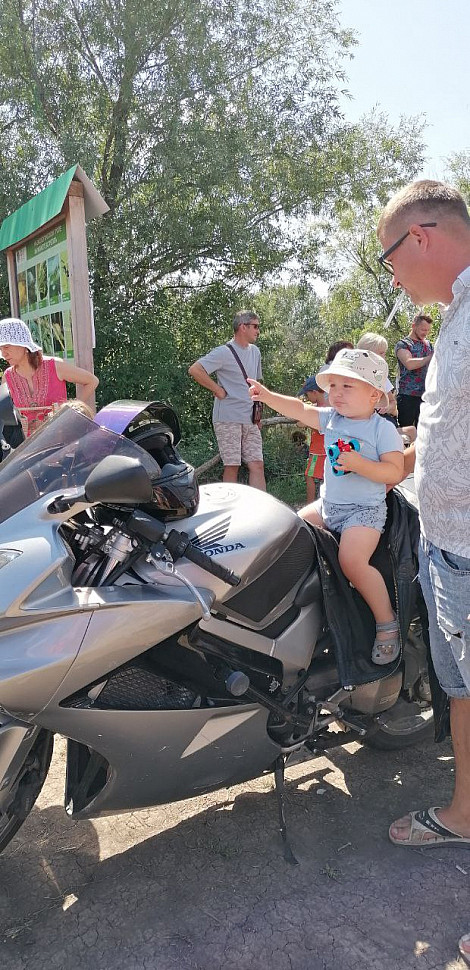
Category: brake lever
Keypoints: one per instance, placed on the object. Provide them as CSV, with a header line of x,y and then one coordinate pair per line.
x,y
168,568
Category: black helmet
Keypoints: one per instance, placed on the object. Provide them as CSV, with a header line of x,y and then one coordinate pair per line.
x,y
175,489
154,426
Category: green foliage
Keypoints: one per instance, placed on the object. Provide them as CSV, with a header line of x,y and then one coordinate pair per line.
x,y
213,132
146,356
203,127
284,463
198,447
459,167
361,294
290,335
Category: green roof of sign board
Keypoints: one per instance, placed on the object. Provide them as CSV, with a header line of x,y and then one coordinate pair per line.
x,y
47,204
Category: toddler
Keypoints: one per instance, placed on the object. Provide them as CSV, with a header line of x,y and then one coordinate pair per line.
x,y
352,496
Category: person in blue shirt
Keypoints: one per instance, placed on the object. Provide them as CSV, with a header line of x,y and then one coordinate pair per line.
x,y
365,454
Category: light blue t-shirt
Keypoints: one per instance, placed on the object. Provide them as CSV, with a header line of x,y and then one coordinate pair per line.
x,y
376,437
237,406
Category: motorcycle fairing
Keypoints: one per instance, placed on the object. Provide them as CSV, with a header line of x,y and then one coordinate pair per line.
x,y
153,757
124,626
44,627
292,646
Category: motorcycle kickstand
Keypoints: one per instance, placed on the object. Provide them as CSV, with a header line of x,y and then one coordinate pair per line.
x,y
279,766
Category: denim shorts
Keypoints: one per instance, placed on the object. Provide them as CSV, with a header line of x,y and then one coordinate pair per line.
x,y
337,518
445,581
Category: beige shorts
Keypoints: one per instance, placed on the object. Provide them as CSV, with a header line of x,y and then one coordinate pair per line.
x,y
238,442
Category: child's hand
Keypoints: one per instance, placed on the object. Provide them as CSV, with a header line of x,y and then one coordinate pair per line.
x,y
349,461
258,392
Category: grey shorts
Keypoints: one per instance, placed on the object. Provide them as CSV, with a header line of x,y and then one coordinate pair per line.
x,y
445,582
238,442
337,518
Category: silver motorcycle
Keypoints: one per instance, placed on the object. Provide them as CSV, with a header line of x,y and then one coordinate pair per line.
x,y
181,639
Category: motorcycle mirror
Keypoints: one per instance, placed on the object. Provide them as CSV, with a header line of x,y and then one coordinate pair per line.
x,y
118,479
9,416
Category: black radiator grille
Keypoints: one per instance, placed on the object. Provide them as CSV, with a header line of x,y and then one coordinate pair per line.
x,y
261,596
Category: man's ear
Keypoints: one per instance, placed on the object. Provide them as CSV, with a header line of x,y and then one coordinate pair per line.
x,y
419,235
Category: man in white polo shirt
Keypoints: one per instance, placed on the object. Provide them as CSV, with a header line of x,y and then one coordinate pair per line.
x,y
425,233
237,437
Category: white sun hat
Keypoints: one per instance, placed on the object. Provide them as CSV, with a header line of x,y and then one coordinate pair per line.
x,y
362,365
13,331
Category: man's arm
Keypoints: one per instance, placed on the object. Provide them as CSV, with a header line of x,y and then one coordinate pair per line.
x,y
409,459
409,463
197,372
412,363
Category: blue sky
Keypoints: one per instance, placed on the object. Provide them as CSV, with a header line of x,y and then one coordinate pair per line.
x,y
413,58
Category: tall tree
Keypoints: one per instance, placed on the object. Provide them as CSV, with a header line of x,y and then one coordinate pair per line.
x,y
361,294
204,125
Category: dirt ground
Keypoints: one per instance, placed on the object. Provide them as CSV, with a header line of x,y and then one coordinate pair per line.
x,y
203,885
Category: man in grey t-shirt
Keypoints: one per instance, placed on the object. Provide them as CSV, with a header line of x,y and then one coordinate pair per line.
x,y
425,232
237,437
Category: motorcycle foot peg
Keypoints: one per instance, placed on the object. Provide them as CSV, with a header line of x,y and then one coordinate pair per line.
x,y
237,683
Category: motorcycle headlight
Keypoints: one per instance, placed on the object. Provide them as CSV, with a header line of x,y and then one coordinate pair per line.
x,y
7,555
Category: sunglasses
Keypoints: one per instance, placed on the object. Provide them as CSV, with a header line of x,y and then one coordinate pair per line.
x,y
383,258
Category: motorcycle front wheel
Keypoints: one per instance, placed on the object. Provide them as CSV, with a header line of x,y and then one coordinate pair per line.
x,y
403,725
26,787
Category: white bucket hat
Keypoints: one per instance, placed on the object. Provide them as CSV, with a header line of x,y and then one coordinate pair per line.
x,y
13,331
362,365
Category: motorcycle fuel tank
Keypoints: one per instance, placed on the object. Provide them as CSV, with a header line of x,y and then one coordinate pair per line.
x,y
260,539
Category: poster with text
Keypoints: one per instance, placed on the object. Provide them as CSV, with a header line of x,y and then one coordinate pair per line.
x,y
42,272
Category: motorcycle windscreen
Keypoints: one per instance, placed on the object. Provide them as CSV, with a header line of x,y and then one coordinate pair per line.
x,y
60,455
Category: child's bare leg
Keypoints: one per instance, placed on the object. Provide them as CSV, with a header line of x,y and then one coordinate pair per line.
x,y
311,515
311,490
355,549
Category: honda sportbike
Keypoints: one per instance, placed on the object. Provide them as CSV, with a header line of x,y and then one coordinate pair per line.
x,y
180,638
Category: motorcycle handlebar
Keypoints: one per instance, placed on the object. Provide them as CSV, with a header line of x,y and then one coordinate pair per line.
x,y
144,525
179,545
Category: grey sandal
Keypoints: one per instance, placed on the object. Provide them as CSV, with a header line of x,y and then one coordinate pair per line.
x,y
464,948
387,650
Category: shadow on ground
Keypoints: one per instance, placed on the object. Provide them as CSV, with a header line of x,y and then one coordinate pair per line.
x,y
203,884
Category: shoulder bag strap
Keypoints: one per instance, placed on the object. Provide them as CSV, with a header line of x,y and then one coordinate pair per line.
x,y
245,375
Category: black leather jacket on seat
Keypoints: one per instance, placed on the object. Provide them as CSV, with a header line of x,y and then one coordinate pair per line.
x,y
349,618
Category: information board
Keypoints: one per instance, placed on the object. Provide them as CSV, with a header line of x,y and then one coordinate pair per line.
x,y
42,273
